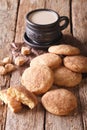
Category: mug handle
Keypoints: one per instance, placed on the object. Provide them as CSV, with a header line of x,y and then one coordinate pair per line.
x,y
63,18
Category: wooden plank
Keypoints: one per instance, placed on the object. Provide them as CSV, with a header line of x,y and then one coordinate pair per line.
x,y
79,19
72,122
27,119
4,83
8,9
79,15
62,7
83,99
25,7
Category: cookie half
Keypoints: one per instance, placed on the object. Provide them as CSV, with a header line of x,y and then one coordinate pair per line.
x,y
12,103
24,96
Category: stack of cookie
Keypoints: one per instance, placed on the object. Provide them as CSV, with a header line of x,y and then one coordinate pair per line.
x,y
62,65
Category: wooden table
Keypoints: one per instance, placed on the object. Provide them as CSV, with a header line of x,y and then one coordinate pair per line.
x,y
12,26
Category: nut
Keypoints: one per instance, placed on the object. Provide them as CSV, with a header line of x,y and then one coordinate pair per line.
x,y
20,60
25,50
7,60
9,67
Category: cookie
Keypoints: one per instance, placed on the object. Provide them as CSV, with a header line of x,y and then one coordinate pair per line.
x,y
59,101
37,79
64,50
12,103
66,77
76,63
48,59
24,96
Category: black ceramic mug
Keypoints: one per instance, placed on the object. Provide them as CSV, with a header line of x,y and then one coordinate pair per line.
x,y
43,26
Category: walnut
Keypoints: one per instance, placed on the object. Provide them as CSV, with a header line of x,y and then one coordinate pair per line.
x,y
20,60
25,50
9,67
6,60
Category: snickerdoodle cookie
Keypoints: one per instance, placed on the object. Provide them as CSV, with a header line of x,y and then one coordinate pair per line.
x,y
76,63
12,103
66,77
37,79
64,50
24,96
48,59
59,101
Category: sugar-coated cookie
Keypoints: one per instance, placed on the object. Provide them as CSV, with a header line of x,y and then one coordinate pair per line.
x,y
49,59
66,77
22,95
12,103
59,101
76,63
37,79
64,50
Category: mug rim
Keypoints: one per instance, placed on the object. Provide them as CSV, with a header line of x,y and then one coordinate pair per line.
x,y
40,25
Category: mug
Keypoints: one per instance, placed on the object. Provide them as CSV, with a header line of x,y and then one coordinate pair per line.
x,y
43,26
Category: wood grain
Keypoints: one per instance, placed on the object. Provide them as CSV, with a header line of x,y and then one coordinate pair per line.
x,y
37,119
25,120
8,9
25,7
4,83
74,121
83,99
79,20
62,7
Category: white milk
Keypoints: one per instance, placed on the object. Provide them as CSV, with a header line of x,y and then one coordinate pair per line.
x,y
43,17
